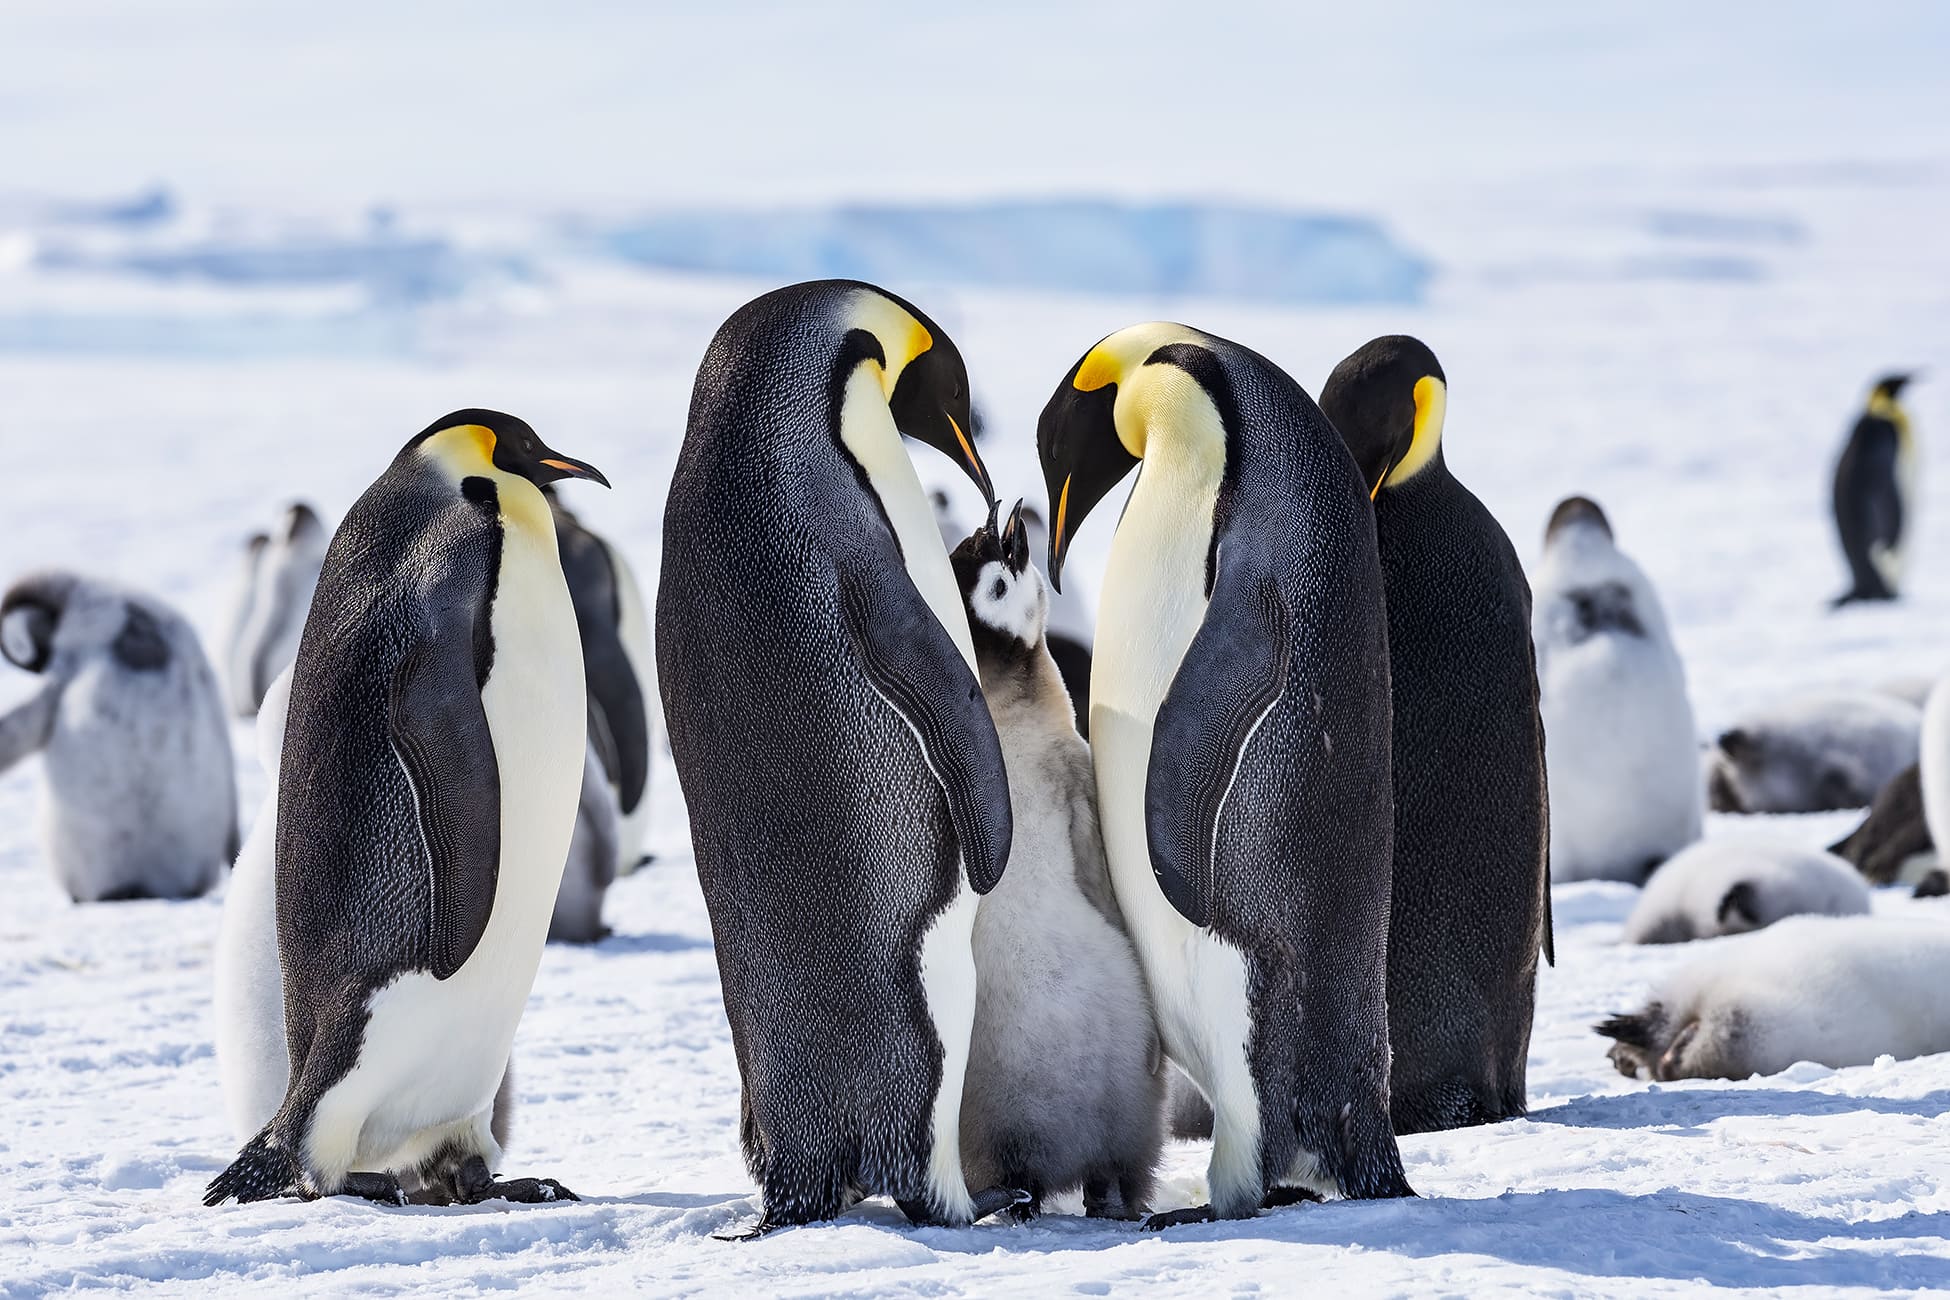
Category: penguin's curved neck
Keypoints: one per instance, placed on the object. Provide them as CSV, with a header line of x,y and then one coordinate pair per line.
x,y
1425,443
1168,421
467,451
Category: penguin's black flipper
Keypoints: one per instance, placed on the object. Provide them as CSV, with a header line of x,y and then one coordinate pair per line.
x,y
914,664
616,694
440,731
1232,674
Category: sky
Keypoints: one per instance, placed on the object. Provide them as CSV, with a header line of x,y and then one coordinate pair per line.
x,y
759,103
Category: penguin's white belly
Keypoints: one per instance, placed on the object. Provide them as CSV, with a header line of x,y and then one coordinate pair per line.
x,y
434,1050
1153,604
1622,757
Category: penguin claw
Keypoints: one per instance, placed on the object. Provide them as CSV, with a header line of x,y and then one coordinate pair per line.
x,y
1179,1218
475,1184
759,1227
1020,1204
380,1188
1276,1197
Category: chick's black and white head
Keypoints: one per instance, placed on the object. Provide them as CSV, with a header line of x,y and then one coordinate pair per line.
x,y
1001,591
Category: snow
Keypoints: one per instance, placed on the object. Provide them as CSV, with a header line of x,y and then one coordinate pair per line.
x,y
324,235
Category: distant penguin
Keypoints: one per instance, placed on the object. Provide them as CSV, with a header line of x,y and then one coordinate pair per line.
x,y
1837,991
433,748
1065,1084
622,671
847,797
252,1064
1813,753
138,792
1893,843
236,671
1620,743
1471,910
1239,712
283,572
1875,494
1731,886
593,857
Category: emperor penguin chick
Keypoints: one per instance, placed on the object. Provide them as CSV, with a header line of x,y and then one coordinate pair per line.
x,y
1471,906
1065,1081
433,747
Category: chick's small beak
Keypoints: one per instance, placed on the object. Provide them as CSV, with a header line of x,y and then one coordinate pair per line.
x,y
575,468
1015,540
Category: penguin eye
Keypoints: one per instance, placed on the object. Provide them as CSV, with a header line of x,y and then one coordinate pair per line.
x,y
528,446
999,590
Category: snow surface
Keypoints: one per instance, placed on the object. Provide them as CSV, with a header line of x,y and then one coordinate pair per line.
x,y
1669,247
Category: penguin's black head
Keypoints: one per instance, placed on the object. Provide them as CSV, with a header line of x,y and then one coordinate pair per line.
x,y
1576,511
511,446
29,614
1388,401
1001,592
930,403
1891,386
301,521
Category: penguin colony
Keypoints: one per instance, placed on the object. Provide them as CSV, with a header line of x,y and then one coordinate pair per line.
x,y
996,890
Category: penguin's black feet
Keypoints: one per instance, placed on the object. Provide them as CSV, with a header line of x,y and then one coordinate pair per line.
x,y
986,1202
1020,1204
1279,1197
1179,1218
763,1227
474,1184
382,1188
1024,1211
1104,1199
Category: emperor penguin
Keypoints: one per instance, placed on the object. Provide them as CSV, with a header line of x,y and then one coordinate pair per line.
x,y
1066,1081
622,671
595,854
1893,843
1875,493
236,678
1813,753
427,787
283,572
138,793
1471,899
847,796
1239,726
1620,744
1836,990
1734,884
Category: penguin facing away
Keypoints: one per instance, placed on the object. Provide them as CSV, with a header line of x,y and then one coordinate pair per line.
x,y
1065,1082
283,572
1620,745
138,792
252,1064
1471,909
846,789
427,791
1875,492
1239,727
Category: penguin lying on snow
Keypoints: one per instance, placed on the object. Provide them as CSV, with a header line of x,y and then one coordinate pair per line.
x,y
427,791
1619,739
1838,991
1239,728
1813,754
846,790
138,794
1065,1077
1471,906
1893,842
281,572
1730,886
252,1063
1875,493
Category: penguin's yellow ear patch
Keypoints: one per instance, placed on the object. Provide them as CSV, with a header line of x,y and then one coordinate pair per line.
x,y
463,448
1096,369
1431,405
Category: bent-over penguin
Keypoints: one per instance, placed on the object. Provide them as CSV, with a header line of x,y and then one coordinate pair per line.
x,y
846,791
1734,884
1065,1082
1239,726
1813,753
1875,494
1835,990
1471,908
433,751
1620,745
138,793
283,573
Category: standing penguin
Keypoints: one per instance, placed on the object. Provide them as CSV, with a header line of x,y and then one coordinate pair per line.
x,y
1875,491
283,572
1239,726
1620,745
138,792
433,751
841,770
622,670
1065,1080
1472,868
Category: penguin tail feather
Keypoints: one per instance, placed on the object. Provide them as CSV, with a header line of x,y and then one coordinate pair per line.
x,y
1640,1029
261,1171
